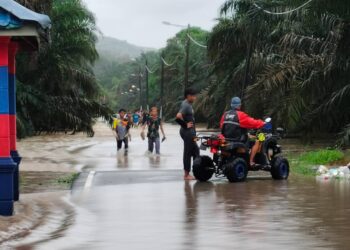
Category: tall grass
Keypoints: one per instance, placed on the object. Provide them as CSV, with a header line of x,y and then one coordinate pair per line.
x,y
321,157
304,163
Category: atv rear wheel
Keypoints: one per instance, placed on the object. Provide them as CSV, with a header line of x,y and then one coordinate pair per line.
x,y
203,168
237,170
280,168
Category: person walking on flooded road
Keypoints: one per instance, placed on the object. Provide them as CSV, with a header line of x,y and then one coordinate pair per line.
x,y
135,119
185,118
122,126
154,124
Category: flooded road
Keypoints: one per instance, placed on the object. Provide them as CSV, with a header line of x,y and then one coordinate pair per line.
x,y
141,202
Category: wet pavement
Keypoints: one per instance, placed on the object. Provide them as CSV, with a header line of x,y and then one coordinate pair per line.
x,y
137,201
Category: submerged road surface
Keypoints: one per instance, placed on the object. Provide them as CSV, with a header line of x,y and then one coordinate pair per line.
x,y
137,201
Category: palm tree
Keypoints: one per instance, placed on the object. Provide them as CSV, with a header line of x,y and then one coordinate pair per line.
x,y
310,79
299,61
61,92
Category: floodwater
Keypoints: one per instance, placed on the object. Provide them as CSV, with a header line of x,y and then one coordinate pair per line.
x,y
137,201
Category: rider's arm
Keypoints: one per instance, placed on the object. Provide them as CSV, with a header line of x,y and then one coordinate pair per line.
x,y
248,122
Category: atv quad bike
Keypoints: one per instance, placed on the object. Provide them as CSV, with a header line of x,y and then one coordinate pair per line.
x,y
231,158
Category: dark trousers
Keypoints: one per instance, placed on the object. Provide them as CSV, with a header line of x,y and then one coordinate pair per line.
x,y
190,148
154,142
120,143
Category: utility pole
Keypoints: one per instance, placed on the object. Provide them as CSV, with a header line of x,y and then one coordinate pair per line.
x,y
146,76
162,82
247,67
187,59
140,85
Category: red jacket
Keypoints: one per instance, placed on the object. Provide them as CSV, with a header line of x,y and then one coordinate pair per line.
x,y
245,121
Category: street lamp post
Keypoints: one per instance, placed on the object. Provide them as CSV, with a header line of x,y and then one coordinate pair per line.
x,y
140,85
139,77
162,82
187,60
146,77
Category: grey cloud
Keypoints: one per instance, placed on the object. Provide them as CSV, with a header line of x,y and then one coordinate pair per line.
x,y
139,21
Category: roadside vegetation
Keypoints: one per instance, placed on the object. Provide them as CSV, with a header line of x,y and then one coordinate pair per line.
x,y
57,89
307,163
293,67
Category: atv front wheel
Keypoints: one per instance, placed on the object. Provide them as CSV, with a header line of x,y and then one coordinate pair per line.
x,y
237,170
203,168
280,168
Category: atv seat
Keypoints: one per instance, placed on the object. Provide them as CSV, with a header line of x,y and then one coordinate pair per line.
x,y
232,145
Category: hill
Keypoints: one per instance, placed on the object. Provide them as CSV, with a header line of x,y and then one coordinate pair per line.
x,y
117,50
114,65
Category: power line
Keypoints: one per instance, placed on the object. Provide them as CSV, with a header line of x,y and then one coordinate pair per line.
x,y
195,42
285,12
150,71
169,64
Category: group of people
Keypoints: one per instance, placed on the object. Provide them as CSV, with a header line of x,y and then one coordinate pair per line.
x,y
234,125
124,121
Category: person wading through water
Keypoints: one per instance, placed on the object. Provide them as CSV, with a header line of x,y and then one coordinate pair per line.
x,y
185,118
122,126
154,124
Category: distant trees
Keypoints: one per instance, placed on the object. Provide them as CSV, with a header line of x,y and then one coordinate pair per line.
x,y
117,78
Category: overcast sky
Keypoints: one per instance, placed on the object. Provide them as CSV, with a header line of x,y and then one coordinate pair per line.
x,y
140,21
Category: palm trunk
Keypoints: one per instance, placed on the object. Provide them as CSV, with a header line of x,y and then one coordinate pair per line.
x,y
247,67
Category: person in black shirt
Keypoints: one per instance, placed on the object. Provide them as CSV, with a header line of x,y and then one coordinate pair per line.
x,y
185,118
154,124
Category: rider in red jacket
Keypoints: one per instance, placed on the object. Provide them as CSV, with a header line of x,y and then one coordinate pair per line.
x,y
235,123
245,121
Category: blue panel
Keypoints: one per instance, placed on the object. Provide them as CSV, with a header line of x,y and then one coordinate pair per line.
x,y
12,94
4,91
4,77
4,101
8,21
4,19
24,14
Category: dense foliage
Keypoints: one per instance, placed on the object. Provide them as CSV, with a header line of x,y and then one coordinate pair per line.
x,y
292,67
57,90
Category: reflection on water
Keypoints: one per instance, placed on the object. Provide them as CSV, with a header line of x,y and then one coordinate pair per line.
x,y
298,214
259,214
156,214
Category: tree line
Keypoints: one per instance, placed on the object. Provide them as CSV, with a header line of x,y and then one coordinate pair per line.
x,y
293,67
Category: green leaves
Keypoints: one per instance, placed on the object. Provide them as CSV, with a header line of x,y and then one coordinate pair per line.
x,y
60,93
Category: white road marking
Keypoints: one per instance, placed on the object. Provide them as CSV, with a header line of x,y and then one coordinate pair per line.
x,y
89,179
